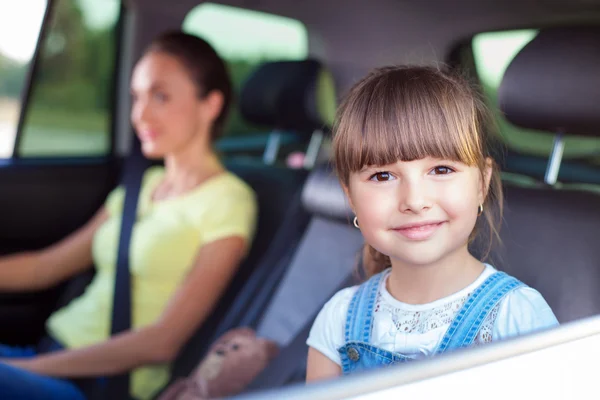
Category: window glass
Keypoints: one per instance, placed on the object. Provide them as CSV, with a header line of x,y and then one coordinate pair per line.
x,y
69,109
246,39
493,52
20,23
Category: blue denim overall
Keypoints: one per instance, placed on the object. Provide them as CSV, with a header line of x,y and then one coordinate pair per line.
x,y
358,354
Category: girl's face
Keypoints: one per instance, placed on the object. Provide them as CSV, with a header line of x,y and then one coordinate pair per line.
x,y
167,113
417,212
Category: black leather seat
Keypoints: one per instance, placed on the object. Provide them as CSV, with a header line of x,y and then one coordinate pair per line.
x,y
296,96
282,220
549,243
326,256
549,239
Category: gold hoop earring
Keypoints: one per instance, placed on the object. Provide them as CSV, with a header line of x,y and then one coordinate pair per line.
x,y
480,210
356,222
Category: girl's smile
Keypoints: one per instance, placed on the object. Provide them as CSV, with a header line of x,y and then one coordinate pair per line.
x,y
420,230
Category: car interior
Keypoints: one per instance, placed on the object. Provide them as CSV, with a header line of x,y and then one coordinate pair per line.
x,y
540,77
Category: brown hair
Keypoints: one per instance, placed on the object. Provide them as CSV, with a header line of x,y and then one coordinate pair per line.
x,y
206,68
409,113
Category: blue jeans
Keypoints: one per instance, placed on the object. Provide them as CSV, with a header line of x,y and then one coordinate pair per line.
x,y
17,383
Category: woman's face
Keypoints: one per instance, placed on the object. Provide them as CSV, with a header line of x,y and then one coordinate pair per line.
x,y
167,112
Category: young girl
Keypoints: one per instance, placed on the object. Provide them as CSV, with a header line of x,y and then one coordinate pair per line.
x,y
410,153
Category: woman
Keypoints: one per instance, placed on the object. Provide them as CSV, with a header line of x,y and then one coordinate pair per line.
x,y
194,226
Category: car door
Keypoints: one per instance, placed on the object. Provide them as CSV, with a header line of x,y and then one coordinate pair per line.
x,y
57,152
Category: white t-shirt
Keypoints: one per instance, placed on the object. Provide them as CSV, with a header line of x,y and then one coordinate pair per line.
x,y
417,329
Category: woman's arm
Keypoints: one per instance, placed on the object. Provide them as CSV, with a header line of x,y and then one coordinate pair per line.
x,y
320,367
215,265
37,270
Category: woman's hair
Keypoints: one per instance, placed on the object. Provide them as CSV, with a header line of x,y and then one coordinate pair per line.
x,y
409,113
204,65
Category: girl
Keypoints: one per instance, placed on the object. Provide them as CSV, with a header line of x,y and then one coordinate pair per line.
x,y
195,224
410,152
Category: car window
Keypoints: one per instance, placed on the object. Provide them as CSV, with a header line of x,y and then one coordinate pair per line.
x,y
493,52
68,106
20,24
246,39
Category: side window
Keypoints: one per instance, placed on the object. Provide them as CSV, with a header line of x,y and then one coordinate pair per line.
x,y
492,53
68,110
20,24
245,39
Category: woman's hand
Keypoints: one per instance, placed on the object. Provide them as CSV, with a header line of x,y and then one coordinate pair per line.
x,y
24,363
215,265
38,270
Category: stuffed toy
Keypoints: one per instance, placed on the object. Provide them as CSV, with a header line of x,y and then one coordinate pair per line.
x,y
231,364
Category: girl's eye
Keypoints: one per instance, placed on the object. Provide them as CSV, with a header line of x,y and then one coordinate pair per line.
x,y
441,170
381,177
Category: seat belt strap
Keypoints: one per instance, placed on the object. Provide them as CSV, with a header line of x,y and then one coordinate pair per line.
x,y
134,167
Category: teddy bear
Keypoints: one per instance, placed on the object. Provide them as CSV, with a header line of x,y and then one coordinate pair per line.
x,y
231,364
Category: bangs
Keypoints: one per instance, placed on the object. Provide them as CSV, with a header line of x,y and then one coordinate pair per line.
x,y
406,115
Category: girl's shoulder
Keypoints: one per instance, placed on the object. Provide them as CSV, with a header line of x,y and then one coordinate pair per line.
x,y
526,304
340,301
332,317
333,313
524,297
523,310
327,332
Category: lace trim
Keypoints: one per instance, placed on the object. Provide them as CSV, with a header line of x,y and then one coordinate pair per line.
x,y
420,322
485,334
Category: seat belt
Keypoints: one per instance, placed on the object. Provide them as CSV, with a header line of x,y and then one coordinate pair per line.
x,y
292,357
118,386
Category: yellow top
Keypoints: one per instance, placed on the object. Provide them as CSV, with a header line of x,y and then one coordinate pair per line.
x,y
164,243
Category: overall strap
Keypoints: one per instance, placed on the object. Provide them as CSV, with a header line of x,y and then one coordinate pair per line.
x,y
464,328
359,320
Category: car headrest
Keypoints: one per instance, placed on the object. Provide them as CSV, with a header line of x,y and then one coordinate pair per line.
x,y
323,195
553,83
294,96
